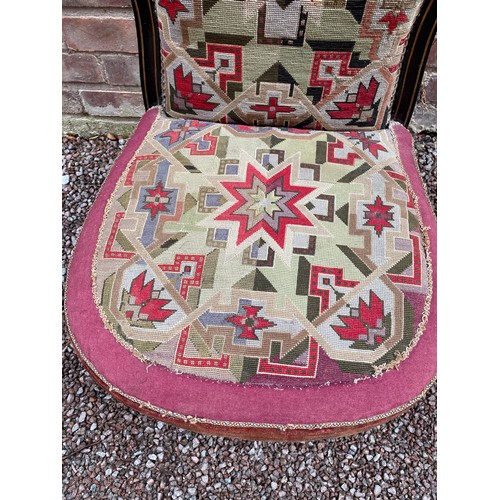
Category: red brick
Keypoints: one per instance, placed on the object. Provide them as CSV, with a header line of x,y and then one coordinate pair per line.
x,y
432,60
71,103
431,90
81,68
100,34
112,103
122,69
97,3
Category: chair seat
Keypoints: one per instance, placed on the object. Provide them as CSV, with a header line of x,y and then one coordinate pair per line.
x,y
258,282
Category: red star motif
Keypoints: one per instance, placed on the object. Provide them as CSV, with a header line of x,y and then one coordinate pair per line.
x,y
378,215
157,199
172,7
250,322
272,108
265,203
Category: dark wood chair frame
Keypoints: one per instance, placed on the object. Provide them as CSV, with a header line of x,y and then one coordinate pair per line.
x,y
406,95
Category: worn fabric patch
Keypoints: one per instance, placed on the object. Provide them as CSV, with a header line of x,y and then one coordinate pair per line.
x,y
317,64
264,256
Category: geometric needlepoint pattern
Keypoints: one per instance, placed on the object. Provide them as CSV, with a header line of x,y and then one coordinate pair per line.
x,y
265,204
262,256
308,64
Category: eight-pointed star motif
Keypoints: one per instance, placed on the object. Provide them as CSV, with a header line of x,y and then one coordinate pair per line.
x,y
265,203
250,322
378,215
157,199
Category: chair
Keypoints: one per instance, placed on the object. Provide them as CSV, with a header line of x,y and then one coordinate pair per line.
x,y
260,260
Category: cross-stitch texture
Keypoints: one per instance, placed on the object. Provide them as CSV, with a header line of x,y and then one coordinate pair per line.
x,y
262,255
316,64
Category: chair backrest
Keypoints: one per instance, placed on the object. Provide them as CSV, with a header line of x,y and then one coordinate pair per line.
x,y
321,64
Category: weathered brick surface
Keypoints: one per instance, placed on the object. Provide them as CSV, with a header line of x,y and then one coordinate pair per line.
x,y
96,3
96,125
121,69
105,34
71,102
431,90
424,117
81,68
432,61
113,103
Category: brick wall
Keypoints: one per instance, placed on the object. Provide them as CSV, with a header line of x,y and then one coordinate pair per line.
x,y
100,68
425,114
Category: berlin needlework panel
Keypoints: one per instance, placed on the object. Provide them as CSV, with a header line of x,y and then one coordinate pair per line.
x,y
316,64
264,256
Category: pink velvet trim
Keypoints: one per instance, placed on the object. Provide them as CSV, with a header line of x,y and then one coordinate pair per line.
x,y
189,395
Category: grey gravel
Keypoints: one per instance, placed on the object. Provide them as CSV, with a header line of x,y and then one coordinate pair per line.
x,y
108,450
426,152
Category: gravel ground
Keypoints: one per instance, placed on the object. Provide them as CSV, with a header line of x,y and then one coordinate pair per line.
x,y
110,451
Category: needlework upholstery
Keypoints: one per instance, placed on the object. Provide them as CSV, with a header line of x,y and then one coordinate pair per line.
x,y
263,256
316,64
